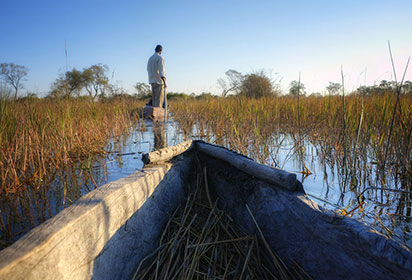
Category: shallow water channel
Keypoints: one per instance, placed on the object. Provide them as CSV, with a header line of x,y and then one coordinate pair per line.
x,y
355,191
23,211
123,157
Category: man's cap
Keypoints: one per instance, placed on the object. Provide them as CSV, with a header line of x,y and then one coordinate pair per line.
x,y
158,48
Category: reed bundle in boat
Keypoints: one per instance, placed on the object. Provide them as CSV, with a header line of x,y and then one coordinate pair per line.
x,y
200,241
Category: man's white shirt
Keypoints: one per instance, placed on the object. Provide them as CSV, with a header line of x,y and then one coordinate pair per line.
x,y
156,69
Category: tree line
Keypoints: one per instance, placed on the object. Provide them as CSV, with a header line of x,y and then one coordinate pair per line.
x,y
94,82
91,81
13,75
259,84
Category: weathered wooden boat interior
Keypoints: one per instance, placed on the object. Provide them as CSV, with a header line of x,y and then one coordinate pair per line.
x,y
324,244
109,232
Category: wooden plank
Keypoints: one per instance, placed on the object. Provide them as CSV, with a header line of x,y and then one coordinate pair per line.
x,y
271,175
167,153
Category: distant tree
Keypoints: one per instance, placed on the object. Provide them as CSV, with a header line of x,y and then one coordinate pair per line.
x,y
257,85
407,87
296,88
95,80
143,90
364,90
30,96
14,74
383,87
75,81
223,85
68,84
333,88
58,88
315,94
387,85
233,83
205,95
117,89
177,95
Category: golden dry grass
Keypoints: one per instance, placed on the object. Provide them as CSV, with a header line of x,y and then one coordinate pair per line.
x,y
40,137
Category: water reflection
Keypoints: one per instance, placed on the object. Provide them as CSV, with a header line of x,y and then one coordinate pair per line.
x,y
159,138
349,183
329,184
20,212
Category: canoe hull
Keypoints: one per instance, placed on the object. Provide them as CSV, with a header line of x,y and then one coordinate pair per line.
x,y
66,246
109,231
326,245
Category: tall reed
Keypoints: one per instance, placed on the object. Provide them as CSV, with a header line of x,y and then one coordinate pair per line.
x,y
40,138
332,125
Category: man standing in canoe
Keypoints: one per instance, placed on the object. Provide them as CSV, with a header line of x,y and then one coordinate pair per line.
x,y
157,76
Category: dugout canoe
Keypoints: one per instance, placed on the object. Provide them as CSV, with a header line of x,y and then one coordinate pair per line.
x,y
106,233
153,113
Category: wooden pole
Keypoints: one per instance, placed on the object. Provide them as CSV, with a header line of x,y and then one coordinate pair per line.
x,y
165,93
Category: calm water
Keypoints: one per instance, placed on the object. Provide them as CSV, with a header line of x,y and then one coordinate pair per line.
x,y
328,187
124,155
23,211
125,152
355,195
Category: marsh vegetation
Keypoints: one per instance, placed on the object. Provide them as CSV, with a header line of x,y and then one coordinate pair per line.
x,y
353,152
47,149
366,173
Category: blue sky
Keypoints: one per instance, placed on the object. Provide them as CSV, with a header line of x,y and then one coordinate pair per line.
x,y
204,39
